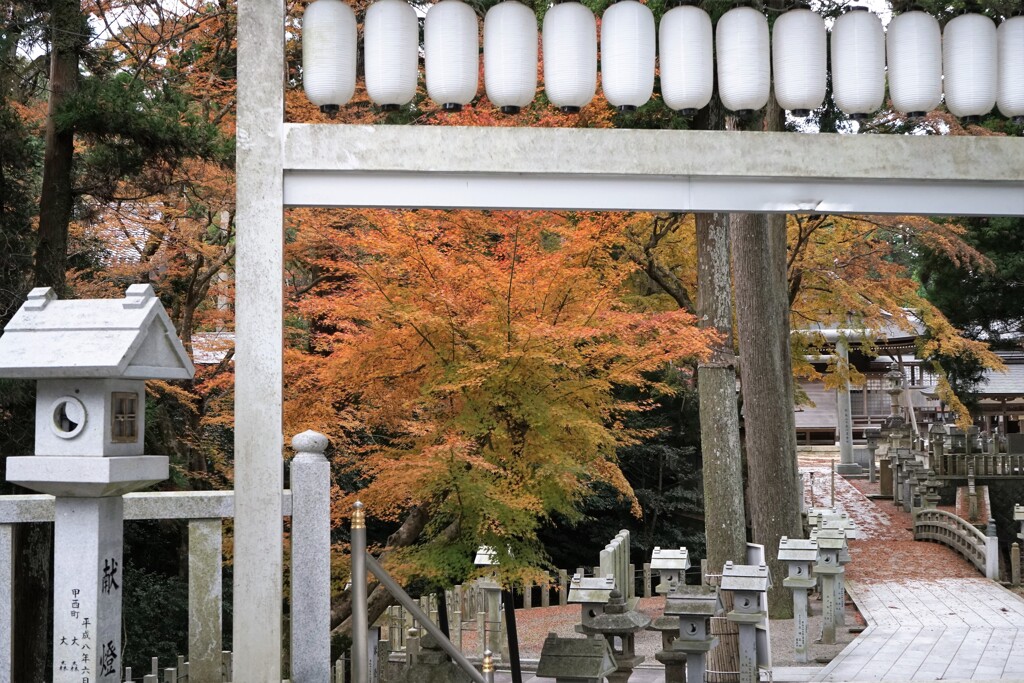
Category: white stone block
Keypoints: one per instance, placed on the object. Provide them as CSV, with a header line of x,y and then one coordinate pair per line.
x,y
87,588
80,477
76,417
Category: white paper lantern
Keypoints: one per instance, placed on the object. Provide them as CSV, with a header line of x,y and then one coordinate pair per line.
x,y
685,39
329,53
744,60
570,56
1011,68
914,53
510,55
800,60
858,63
627,54
451,53
970,72
391,48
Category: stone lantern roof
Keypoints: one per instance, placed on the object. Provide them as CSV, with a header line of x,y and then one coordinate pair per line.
x,y
129,338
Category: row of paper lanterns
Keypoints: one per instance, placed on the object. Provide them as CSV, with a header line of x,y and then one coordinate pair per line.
x,y
977,65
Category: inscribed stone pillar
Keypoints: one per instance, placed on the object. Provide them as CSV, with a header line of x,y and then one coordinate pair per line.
x,y
845,414
88,574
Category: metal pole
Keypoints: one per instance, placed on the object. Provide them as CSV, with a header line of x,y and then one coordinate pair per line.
x,y
508,597
408,603
360,626
488,667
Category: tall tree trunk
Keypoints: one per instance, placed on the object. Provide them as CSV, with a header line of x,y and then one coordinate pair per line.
x,y
33,565
68,35
766,372
724,525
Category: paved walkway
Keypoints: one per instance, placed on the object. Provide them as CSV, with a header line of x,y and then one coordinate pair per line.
x,y
934,630
922,624
940,621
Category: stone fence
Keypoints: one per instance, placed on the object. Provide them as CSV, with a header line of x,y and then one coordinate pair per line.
x,y
205,512
980,549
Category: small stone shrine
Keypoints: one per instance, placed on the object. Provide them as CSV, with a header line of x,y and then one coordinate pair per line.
x,y
90,359
693,608
432,665
592,595
671,565
799,555
575,660
749,585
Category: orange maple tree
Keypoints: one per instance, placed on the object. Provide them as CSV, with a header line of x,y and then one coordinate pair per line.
x,y
467,364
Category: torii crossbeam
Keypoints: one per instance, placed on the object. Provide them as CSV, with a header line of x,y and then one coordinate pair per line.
x,y
280,165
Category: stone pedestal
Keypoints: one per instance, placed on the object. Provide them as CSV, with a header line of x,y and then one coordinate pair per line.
x,y
87,587
88,542
747,624
675,664
829,607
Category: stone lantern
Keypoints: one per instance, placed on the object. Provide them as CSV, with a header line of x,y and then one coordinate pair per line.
x,y
831,543
872,434
693,608
957,439
936,438
912,490
799,555
619,623
894,387
486,556
749,584
671,565
592,595
931,488
90,359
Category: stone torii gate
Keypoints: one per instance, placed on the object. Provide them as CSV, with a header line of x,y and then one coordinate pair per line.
x,y
283,165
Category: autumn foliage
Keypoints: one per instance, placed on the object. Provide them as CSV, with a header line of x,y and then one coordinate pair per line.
x,y
469,363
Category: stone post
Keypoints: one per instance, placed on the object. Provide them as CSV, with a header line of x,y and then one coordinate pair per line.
x,y
647,580
872,434
606,564
492,601
205,590
311,560
563,587
972,494
845,414
991,552
6,600
896,466
628,590
1015,564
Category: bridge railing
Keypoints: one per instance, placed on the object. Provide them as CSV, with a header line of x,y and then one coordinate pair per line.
x,y
980,549
985,465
